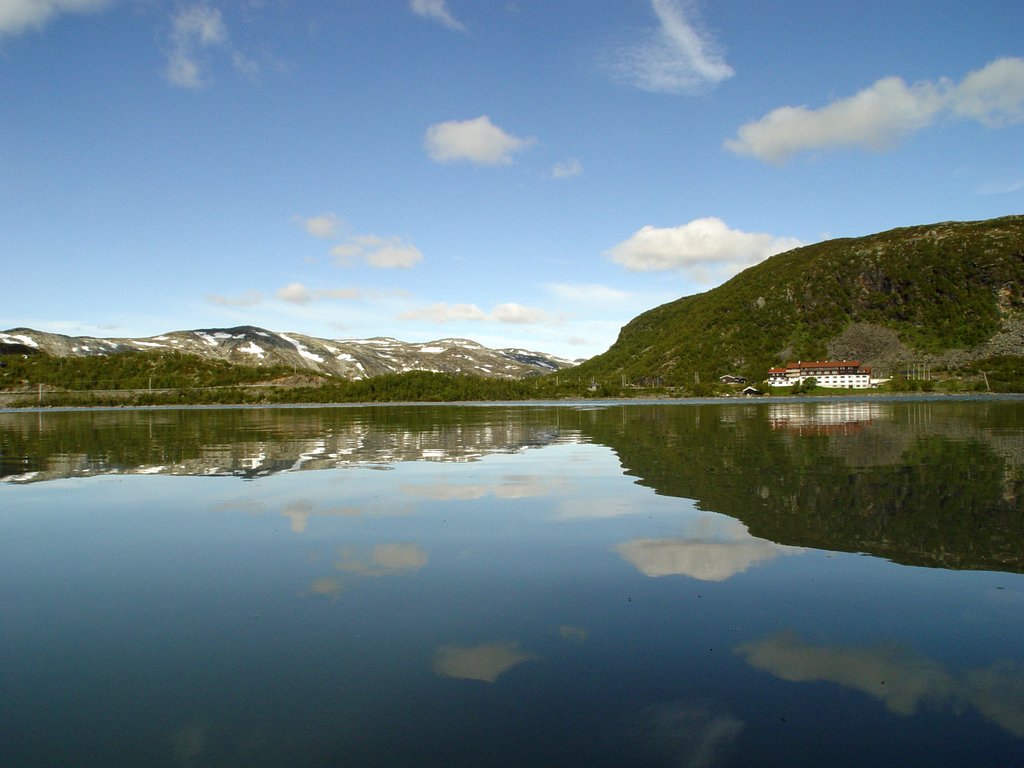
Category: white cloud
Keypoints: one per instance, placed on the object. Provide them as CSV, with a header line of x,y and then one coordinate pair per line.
x,y
193,29
1001,188
476,141
436,10
586,293
877,117
381,252
247,299
443,313
567,169
680,58
18,15
297,293
706,248
510,312
324,226
196,29
993,95
518,314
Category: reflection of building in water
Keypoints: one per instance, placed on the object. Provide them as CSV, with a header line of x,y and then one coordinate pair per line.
x,y
826,418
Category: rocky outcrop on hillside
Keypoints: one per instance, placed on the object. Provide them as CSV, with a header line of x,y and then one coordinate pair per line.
x,y
350,359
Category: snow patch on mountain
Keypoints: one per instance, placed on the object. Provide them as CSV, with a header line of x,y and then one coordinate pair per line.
x,y
344,358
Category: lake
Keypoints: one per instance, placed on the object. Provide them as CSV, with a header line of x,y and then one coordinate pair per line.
x,y
746,583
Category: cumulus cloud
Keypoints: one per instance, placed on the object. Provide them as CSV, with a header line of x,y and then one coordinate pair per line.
x,y
381,252
679,57
16,16
993,95
567,169
706,248
442,312
297,293
246,299
436,10
476,141
879,116
518,314
324,226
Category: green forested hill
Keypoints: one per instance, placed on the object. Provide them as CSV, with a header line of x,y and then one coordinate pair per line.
x,y
951,289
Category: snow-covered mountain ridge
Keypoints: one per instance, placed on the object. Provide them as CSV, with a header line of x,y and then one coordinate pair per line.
x,y
348,358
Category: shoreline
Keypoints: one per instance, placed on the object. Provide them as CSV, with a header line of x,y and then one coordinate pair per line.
x,y
574,403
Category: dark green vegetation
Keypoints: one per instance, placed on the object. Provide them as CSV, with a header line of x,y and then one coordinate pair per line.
x,y
172,378
128,370
949,494
942,287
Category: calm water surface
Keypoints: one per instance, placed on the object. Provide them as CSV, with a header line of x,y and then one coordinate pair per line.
x,y
632,585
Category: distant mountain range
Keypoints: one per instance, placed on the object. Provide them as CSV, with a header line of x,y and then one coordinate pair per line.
x,y
943,294
349,359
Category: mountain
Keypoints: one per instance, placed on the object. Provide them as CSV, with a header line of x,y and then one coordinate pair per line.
x,y
942,294
349,359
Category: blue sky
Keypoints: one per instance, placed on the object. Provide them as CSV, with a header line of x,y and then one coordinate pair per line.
x,y
529,173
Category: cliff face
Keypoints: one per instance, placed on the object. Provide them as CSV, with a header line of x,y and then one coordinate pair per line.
x,y
941,294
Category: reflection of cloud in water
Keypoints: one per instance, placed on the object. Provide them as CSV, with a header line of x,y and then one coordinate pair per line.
x,y
575,634
384,560
998,693
299,512
704,560
399,557
241,505
687,734
189,743
479,662
327,586
898,678
597,508
510,487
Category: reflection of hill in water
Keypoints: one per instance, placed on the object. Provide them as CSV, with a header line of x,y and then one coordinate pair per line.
x,y
925,483
253,443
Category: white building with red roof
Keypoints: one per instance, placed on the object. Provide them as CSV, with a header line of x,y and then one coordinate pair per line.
x,y
837,374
